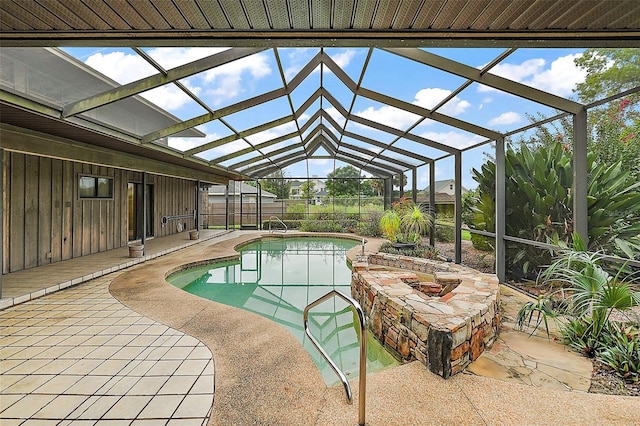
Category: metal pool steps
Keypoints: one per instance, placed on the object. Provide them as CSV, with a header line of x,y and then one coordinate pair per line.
x,y
363,350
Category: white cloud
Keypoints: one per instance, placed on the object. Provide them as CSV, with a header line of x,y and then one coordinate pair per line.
x,y
125,68
430,97
185,144
453,139
389,116
343,59
559,78
519,72
510,117
225,82
120,66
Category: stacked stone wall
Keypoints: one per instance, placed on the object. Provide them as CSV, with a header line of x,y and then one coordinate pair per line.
x,y
445,333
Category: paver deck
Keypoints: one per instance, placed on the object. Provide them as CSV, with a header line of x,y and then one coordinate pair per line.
x,y
147,356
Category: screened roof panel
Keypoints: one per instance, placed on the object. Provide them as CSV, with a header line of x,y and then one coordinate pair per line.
x,y
293,60
263,113
472,57
350,60
498,110
269,134
476,93
303,91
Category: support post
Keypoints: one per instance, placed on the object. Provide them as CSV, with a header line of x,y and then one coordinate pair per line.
x,y
432,202
458,206
388,192
580,172
500,214
198,202
414,185
145,207
2,195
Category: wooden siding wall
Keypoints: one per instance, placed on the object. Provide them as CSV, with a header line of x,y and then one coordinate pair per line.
x,y
45,222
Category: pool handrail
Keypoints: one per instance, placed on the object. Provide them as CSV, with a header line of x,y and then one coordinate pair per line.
x,y
363,350
279,220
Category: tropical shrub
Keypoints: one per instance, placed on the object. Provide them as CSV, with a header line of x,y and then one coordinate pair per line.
x,y
539,205
622,351
405,222
390,225
370,225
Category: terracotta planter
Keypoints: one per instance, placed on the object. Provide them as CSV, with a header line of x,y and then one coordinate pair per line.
x,y
136,250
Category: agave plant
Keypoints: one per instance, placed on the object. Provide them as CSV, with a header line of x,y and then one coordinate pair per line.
x,y
414,223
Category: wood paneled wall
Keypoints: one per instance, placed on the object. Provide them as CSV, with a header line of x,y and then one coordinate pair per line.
x,y
46,222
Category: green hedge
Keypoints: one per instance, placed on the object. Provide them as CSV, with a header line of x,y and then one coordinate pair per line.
x,y
291,224
445,234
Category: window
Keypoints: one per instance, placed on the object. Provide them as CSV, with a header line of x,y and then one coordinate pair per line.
x,y
95,187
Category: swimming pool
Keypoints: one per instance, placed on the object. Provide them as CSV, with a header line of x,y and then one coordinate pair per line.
x,y
277,278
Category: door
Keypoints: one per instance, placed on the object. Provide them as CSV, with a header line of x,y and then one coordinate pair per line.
x,y
135,201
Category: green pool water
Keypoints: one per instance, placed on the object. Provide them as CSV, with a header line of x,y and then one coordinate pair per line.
x,y
277,278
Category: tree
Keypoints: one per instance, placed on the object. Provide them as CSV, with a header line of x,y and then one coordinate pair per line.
x,y
376,185
343,181
396,180
609,72
614,128
307,189
277,184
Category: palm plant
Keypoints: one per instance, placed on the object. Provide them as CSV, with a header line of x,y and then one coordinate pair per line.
x,y
590,295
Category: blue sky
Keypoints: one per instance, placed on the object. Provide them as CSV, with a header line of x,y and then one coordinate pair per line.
x,y
551,70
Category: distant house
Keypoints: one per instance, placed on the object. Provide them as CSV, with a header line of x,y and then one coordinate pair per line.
x,y
445,191
319,189
249,194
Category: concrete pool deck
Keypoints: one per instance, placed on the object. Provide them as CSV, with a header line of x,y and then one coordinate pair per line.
x,y
264,377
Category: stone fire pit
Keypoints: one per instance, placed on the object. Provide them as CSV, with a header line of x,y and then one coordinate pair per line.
x,y
442,314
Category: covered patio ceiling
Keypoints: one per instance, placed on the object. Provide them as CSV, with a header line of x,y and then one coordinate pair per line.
x,y
323,122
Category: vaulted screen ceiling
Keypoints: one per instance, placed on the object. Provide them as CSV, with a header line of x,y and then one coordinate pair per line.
x,y
323,124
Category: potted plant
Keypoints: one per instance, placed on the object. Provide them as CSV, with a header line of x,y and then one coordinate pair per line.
x,y
405,226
